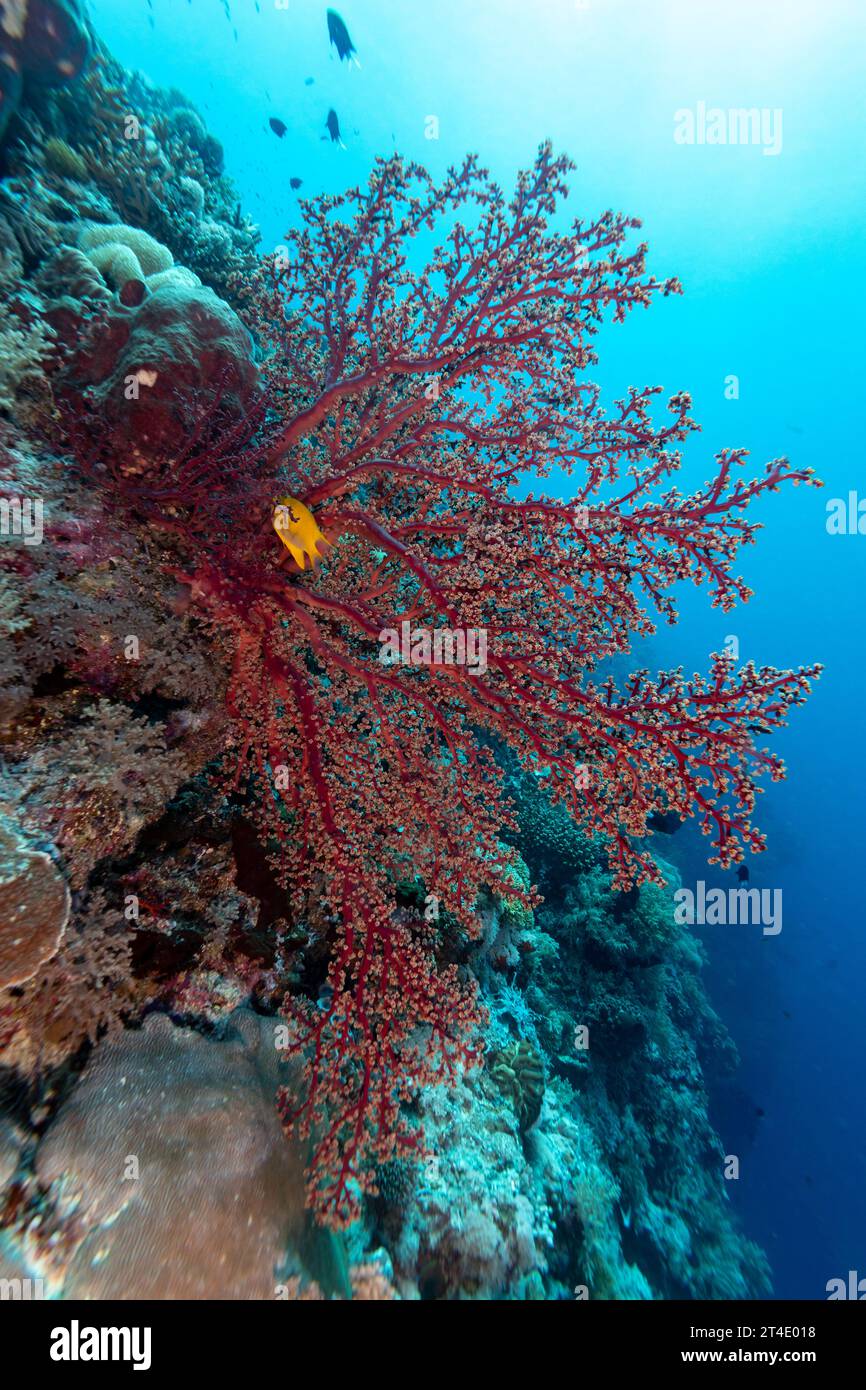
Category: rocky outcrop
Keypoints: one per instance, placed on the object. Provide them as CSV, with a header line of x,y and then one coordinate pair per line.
x,y
170,1161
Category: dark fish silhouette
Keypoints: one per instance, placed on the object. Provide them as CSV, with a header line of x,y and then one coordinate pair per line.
x,y
308,81
334,128
743,873
277,126
668,822
339,36
295,183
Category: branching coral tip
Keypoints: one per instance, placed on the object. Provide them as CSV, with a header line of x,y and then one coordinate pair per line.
x,y
299,531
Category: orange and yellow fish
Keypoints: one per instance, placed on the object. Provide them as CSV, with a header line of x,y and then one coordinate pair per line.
x,y
299,531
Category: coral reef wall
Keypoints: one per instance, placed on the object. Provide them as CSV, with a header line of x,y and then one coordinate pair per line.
x,y
144,933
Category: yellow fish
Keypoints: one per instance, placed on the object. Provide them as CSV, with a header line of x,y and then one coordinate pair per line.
x,y
299,532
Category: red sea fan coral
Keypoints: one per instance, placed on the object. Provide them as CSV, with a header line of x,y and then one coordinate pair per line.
x,y
406,406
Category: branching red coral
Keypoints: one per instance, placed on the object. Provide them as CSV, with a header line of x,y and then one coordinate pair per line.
x,y
406,409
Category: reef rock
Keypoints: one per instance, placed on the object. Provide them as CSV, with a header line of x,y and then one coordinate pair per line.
x,y
170,1159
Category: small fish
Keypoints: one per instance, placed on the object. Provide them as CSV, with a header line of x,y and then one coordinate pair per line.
x,y
339,36
308,81
277,126
299,531
295,183
333,125
759,729
325,998
743,873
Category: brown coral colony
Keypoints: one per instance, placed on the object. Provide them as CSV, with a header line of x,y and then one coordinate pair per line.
x,y
272,899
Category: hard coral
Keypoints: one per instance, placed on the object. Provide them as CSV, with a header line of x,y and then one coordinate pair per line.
x,y
127,257
189,126
34,907
519,1073
50,38
76,996
64,161
100,243
153,370
26,343
48,41
125,1160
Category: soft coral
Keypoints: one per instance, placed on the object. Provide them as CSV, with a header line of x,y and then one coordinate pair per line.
x,y
405,408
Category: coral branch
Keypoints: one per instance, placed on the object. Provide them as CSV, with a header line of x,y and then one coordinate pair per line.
x,y
405,408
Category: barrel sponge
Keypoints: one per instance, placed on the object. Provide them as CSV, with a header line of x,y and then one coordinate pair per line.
x,y
51,38
34,907
151,255
64,161
187,349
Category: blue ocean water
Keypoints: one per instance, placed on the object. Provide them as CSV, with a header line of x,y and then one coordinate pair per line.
x,y
768,246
